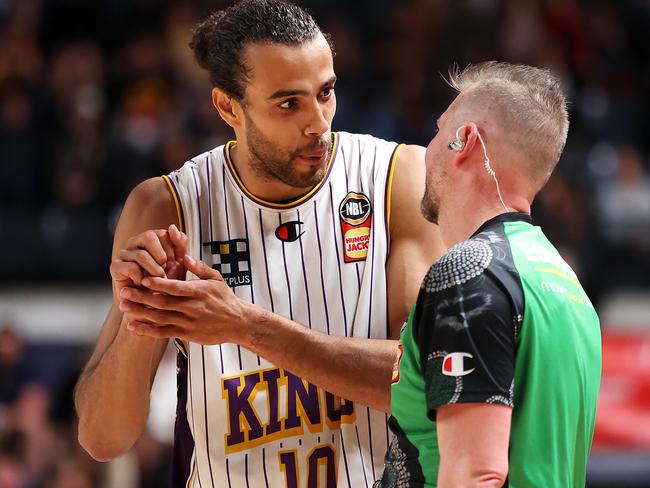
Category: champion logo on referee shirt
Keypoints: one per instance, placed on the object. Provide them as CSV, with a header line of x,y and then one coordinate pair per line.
x,y
454,364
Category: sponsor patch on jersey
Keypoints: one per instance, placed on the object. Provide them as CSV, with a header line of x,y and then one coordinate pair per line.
x,y
457,364
355,212
232,259
289,231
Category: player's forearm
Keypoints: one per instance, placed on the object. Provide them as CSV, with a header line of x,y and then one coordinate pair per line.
x,y
356,369
112,399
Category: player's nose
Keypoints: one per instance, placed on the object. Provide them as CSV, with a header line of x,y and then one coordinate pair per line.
x,y
318,122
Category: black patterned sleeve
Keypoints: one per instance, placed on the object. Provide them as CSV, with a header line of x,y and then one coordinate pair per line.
x,y
465,328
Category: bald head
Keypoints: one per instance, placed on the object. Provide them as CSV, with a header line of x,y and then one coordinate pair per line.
x,y
523,109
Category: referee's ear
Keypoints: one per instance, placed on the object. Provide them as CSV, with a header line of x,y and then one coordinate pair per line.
x,y
227,107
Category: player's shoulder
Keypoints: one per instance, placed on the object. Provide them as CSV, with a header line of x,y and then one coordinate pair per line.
x,y
151,196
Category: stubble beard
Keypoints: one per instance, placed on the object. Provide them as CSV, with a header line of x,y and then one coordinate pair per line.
x,y
271,162
429,206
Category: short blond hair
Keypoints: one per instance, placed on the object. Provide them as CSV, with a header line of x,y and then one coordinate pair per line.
x,y
526,102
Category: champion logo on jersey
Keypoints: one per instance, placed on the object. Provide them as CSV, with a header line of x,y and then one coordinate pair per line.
x,y
454,364
289,231
232,259
355,212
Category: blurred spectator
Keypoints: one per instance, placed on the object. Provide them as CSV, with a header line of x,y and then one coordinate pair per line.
x,y
624,207
14,371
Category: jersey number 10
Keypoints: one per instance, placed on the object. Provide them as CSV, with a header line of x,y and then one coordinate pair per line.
x,y
320,456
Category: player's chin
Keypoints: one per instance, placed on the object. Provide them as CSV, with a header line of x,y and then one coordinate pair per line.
x,y
314,175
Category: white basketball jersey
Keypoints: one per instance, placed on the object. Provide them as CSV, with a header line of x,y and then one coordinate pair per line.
x,y
320,261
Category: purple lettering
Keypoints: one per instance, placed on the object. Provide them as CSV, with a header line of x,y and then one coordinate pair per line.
x,y
346,407
271,377
308,399
238,404
325,453
289,465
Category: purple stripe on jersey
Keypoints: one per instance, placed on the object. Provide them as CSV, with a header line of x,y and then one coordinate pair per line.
x,y
205,411
363,466
207,165
243,209
246,469
207,170
286,273
266,262
372,276
183,439
180,202
322,275
386,210
189,367
391,163
225,211
266,480
372,458
198,207
345,167
304,273
387,434
345,459
338,261
374,160
228,473
225,202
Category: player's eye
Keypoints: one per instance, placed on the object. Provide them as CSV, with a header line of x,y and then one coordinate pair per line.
x,y
287,104
327,92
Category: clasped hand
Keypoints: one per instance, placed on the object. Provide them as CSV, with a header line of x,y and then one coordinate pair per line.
x,y
157,301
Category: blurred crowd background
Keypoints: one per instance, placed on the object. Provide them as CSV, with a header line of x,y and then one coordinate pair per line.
x,y
96,96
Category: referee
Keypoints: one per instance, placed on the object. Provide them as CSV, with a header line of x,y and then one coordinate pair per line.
x,y
499,364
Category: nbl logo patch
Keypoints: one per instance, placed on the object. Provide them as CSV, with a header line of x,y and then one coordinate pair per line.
x,y
232,259
355,212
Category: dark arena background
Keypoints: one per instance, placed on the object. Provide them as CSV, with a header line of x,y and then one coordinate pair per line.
x,y
96,96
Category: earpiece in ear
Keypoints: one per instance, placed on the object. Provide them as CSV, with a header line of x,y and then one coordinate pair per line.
x,y
456,145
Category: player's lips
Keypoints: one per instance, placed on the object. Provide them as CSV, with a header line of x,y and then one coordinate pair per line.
x,y
314,157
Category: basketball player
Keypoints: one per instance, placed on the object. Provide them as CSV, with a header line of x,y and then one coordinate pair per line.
x,y
319,230
498,376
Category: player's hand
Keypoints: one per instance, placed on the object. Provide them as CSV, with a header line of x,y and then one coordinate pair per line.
x,y
152,253
204,311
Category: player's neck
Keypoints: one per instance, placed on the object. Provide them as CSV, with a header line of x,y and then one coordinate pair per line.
x,y
262,187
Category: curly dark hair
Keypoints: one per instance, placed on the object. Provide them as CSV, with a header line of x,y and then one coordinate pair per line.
x,y
219,41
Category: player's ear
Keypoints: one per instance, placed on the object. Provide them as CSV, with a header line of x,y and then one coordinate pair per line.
x,y
228,107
